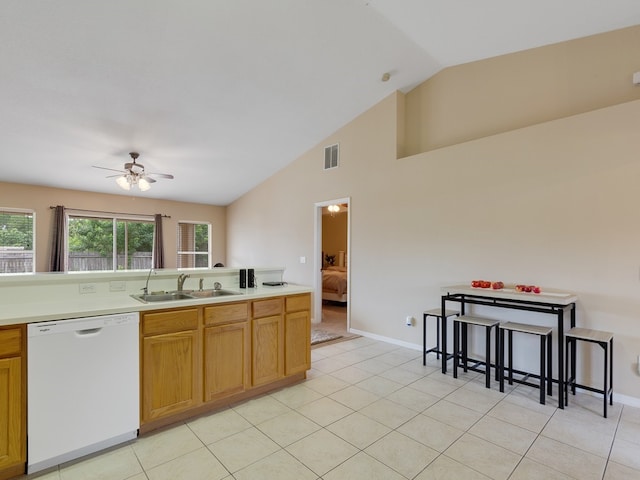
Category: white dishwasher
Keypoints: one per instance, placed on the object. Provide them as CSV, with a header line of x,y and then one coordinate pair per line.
x,y
83,387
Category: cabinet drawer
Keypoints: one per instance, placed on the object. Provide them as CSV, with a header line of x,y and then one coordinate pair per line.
x,y
170,321
266,308
10,342
227,313
298,302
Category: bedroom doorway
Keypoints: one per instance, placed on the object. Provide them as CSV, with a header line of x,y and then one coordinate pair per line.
x,y
331,262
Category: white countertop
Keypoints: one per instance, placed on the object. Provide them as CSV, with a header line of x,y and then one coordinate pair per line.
x,y
90,305
550,296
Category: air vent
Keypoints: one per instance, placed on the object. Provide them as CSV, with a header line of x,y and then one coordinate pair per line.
x,y
331,156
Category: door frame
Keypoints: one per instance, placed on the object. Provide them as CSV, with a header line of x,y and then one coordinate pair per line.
x,y
317,260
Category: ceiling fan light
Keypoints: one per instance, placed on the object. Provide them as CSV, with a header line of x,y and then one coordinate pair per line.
x,y
143,185
123,182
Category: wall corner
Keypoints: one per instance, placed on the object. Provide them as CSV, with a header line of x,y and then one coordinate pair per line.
x,y
400,125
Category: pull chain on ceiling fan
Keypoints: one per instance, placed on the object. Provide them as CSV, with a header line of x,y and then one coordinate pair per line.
x,y
134,174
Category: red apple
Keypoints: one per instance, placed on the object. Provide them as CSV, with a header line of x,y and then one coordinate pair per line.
x,y
536,290
527,289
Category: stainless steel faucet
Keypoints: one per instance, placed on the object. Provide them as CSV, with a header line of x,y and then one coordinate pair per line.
x,y
145,290
181,278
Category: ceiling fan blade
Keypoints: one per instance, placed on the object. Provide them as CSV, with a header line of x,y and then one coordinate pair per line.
x,y
111,169
132,165
161,175
148,178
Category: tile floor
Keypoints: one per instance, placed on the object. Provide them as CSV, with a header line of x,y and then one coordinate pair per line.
x,y
334,319
369,410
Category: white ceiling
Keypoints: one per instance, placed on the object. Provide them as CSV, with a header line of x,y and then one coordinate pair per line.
x,y
224,93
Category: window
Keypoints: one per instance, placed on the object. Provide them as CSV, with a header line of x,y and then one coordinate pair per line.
x,y
109,243
17,238
194,245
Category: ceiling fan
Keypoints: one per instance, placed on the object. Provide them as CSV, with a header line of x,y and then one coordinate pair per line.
x,y
133,174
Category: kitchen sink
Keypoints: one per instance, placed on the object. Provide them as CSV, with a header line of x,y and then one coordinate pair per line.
x,y
212,293
162,297
184,295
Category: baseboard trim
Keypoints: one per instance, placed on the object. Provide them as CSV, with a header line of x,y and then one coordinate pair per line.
x,y
394,341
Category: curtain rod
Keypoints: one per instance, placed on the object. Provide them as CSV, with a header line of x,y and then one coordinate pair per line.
x,y
115,213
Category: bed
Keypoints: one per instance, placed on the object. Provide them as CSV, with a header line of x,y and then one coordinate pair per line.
x,y
334,284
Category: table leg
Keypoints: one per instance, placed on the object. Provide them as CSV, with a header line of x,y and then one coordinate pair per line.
x,y
444,334
438,349
424,339
561,378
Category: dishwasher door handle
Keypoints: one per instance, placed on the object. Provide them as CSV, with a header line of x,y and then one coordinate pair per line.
x,y
88,332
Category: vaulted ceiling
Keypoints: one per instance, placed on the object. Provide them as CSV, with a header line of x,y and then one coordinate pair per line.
x,y
224,93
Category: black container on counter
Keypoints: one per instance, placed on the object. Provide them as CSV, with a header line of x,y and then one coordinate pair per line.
x,y
251,278
243,278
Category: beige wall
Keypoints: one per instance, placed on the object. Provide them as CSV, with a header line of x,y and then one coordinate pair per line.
x,y
334,234
554,204
40,198
517,90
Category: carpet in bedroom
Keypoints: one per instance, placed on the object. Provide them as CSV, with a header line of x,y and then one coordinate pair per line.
x,y
334,321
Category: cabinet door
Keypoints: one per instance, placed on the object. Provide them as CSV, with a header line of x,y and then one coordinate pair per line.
x,y
12,414
297,353
171,374
267,364
227,360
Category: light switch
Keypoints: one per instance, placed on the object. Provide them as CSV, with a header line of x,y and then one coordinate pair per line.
x,y
303,259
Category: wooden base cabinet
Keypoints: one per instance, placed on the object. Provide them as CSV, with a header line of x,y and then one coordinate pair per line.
x,y
297,330
171,370
227,350
198,358
13,414
267,341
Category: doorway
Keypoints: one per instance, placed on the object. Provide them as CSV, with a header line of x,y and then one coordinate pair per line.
x,y
332,262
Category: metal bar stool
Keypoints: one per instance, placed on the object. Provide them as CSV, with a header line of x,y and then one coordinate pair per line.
x,y
545,356
437,313
461,352
605,340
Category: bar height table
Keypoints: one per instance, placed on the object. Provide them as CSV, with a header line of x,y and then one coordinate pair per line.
x,y
549,302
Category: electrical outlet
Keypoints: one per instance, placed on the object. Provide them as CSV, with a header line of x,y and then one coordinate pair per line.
x,y
117,286
409,321
87,288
